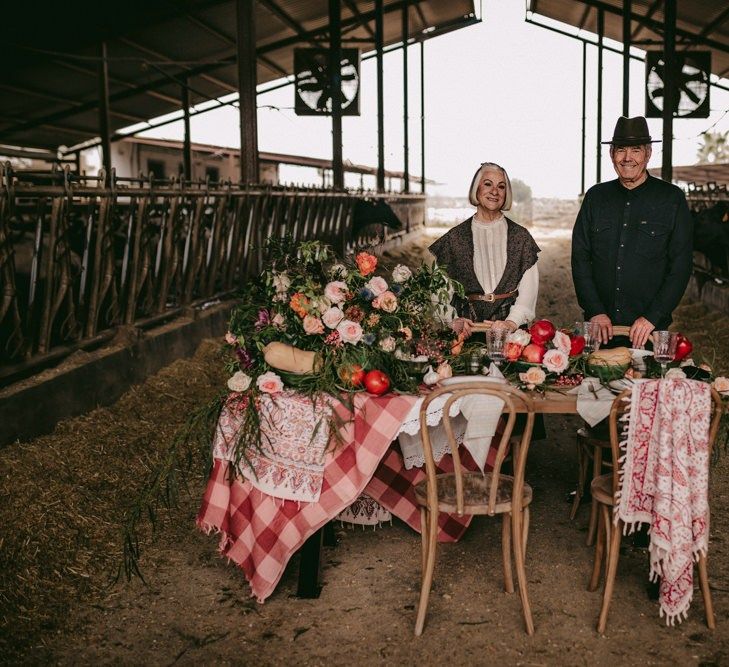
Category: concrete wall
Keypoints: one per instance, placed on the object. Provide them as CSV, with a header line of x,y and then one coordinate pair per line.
x,y
87,380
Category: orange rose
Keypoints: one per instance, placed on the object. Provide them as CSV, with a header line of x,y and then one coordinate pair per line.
x,y
299,303
366,263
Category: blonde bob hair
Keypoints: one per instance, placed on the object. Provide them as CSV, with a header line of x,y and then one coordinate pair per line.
x,y
489,166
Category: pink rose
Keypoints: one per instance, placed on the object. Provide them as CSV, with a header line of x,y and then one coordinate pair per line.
x,y
387,301
269,383
332,317
313,325
350,332
562,342
721,384
279,321
555,361
336,291
533,377
388,344
407,332
231,338
377,285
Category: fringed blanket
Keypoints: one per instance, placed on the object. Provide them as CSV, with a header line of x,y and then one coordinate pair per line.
x,y
665,481
294,436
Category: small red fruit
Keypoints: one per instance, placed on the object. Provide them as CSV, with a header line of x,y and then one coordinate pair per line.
x,y
577,344
376,382
684,347
542,331
533,353
352,375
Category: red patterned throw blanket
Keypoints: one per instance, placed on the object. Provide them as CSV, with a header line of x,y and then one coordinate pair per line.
x,y
294,436
665,482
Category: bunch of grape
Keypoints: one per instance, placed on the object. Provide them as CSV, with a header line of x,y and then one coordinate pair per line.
x,y
569,380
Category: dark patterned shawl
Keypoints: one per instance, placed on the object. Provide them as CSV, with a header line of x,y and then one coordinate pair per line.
x,y
454,251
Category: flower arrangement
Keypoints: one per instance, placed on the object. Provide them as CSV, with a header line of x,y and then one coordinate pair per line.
x,y
335,321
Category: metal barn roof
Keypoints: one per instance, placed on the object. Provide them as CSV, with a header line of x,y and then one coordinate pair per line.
x,y
49,82
700,24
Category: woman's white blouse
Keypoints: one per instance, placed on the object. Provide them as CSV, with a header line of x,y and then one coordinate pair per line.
x,y
489,261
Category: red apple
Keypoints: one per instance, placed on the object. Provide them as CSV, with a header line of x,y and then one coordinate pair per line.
x,y
534,353
542,331
683,347
577,344
376,382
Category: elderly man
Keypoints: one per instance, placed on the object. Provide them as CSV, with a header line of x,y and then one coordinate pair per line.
x,y
632,242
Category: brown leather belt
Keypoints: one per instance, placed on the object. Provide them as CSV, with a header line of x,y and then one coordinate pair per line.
x,y
490,298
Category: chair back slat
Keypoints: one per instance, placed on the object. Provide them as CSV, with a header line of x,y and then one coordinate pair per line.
x,y
514,402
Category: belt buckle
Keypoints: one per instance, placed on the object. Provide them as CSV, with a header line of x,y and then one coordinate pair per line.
x,y
489,298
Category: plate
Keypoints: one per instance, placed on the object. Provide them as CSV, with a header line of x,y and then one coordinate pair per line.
x,y
468,379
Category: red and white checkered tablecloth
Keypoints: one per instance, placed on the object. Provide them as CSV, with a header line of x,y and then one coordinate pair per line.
x,y
260,533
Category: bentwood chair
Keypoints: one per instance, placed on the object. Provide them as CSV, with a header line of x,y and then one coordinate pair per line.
x,y
605,488
464,492
592,443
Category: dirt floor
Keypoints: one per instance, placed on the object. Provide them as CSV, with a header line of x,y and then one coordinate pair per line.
x,y
63,497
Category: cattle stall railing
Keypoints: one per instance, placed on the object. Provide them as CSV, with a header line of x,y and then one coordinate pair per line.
x,y
79,259
709,205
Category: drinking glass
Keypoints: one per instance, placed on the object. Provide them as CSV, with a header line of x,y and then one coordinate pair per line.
x,y
495,341
591,333
664,348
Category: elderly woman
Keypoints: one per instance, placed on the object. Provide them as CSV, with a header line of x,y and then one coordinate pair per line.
x,y
493,257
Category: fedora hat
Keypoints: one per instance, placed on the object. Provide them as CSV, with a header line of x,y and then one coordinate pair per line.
x,y
631,132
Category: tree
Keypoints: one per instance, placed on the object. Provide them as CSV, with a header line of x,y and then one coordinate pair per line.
x,y
520,191
714,149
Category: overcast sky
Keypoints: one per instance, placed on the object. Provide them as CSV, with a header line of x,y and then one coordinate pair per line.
x,y
501,91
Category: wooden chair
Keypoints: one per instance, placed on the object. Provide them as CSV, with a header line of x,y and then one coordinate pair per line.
x,y
464,492
604,490
591,445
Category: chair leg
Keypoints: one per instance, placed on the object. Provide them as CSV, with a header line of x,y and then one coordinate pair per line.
x,y
610,572
427,580
596,472
506,552
423,538
602,538
581,479
525,530
706,593
517,537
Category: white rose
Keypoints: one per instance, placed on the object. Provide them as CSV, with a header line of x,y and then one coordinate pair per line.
x,y
520,337
281,282
279,321
377,285
339,271
350,332
239,381
332,317
388,344
675,374
555,361
401,273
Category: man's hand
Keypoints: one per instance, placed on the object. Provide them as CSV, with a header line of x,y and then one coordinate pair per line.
x,y
640,331
462,325
604,327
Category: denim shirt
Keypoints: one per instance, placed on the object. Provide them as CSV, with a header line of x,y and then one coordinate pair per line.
x,y
632,251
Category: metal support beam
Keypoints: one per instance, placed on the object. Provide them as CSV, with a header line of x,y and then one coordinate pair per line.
x,y
422,116
600,36
379,45
186,142
335,83
584,114
406,133
649,14
627,8
356,13
669,86
104,124
246,33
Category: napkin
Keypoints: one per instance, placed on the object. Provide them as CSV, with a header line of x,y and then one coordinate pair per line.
x,y
593,401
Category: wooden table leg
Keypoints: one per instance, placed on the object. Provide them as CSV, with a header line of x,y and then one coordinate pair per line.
x,y
310,567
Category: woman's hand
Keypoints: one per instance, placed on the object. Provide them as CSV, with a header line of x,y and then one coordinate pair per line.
x,y
462,326
504,324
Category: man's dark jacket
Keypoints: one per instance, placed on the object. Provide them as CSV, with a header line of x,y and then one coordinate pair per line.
x,y
632,251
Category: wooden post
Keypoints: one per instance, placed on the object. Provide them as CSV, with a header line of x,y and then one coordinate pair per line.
x,y
187,142
104,125
246,33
